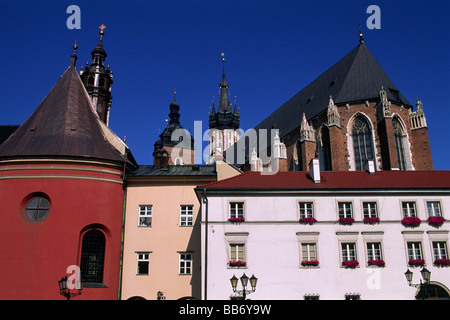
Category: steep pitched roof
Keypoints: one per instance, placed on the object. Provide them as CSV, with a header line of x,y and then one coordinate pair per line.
x,y
356,77
336,180
65,124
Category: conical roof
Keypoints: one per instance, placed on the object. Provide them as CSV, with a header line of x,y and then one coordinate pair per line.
x,y
356,77
65,125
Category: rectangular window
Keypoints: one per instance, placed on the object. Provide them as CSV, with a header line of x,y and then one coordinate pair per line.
x,y
434,209
236,210
185,263
348,251
409,209
143,260
309,252
186,215
306,210
145,216
414,251
440,250
370,210
374,251
237,252
345,210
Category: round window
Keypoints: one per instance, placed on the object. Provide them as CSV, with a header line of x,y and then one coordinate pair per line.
x,y
37,208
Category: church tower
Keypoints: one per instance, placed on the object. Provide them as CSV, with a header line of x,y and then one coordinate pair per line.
x,y
98,80
224,123
175,145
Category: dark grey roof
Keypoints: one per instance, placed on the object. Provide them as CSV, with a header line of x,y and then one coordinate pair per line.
x,y
356,77
184,170
64,124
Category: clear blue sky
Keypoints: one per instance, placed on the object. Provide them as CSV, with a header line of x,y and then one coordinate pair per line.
x,y
273,49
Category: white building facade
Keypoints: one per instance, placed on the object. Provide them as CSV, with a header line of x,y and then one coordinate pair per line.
x,y
342,236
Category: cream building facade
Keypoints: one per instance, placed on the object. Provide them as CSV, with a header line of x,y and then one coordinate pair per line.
x,y
161,253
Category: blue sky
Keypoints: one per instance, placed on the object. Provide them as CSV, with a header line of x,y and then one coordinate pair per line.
x,y
273,49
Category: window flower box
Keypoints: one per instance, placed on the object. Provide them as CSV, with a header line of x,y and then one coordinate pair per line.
x,y
416,262
411,222
346,221
237,264
309,263
350,264
436,221
236,220
442,262
308,220
377,263
370,220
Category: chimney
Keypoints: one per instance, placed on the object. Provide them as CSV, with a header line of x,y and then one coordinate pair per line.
x,y
314,170
370,166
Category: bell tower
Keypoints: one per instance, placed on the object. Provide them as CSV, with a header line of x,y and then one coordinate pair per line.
x,y
98,80
224,123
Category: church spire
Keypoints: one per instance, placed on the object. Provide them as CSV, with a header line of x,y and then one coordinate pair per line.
x,y
224,103
98,80
74,57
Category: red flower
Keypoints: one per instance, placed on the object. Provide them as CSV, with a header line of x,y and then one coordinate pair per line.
x,y
350,263
238,263
346,221
308,220
310,263
411,221
436,221
369,220
378,263
236,220
416,262
442,262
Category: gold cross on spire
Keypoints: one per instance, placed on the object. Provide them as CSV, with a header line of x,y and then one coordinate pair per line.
x,y
102,27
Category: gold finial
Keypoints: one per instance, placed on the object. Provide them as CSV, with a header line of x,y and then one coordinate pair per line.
x,y
75,47
223,56
361,39
102,27
174,94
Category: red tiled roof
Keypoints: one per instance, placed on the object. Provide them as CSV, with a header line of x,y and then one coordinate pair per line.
x,y
336,180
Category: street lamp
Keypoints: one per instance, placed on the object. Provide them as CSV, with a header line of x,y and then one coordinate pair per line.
x,y
426,275
244,282
64,289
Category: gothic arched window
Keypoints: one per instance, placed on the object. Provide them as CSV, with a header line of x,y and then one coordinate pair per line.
x,y
362,142
93,256
399,137
324,149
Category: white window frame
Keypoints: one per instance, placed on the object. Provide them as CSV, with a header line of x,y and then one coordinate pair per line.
x,y
234,207
186,215
146,212
439,250
346,248
435,210
142,258
371,207
304,210
345,209
372,248
412,248
234,250
408,210
185,263
311,249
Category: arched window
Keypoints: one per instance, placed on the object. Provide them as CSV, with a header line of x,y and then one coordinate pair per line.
x,y
93,256
297,157
399,137
362,142
324,149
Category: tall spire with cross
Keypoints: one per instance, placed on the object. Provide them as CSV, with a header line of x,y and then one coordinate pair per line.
x,y
98,79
